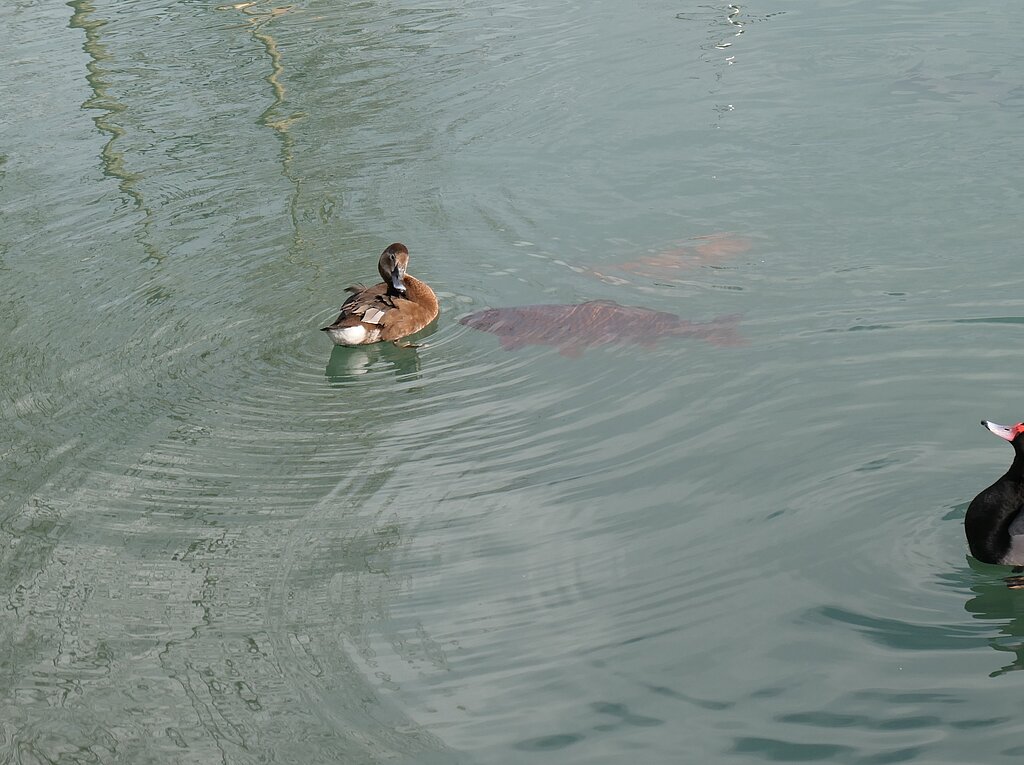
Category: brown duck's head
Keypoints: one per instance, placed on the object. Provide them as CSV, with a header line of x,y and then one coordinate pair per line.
x,y
393,263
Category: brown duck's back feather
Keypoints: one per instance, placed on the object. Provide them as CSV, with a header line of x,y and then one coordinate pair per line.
x,y
386,315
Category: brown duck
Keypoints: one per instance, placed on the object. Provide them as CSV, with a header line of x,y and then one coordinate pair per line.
x,y
399,306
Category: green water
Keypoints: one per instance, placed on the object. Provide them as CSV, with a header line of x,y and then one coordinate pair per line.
x,y
224,541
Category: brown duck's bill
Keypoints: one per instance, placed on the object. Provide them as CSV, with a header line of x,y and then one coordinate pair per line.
x,y
396,280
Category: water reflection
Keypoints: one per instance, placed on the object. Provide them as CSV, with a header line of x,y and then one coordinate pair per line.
x,y
348,364
103,99
994,601
274,116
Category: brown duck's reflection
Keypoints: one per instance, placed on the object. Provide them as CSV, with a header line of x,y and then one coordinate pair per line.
x,y
573,328
348,364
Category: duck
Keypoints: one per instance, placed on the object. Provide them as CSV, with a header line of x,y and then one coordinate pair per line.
x,y
399,306
994,523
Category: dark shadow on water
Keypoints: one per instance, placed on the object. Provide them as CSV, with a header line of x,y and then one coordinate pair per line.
x,y
992,320
789,751
348,365
550,743
994,601
900,634
621,717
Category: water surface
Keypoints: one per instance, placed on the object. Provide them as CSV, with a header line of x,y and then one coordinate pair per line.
x,y
224,540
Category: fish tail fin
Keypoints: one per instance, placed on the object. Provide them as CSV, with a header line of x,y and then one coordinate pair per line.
x,y
723,331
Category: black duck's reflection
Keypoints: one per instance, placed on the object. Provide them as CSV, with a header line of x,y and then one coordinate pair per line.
x,y
994,601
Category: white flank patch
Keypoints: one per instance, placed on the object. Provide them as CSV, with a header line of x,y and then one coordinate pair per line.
x,y
348,335
1015,555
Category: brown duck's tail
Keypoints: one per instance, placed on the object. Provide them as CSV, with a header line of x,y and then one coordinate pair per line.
x,y
721,331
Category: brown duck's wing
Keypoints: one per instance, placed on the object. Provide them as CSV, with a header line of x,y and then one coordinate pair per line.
x,y
406,318
360,291
368,305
